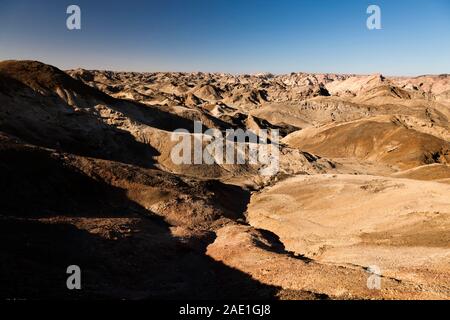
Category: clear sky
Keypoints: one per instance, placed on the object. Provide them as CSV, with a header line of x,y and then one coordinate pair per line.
x,y
242,36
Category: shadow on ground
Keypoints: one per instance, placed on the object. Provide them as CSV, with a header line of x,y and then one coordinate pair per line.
x,y
53,216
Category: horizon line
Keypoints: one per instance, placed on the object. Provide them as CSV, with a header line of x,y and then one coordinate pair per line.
x,y
275,74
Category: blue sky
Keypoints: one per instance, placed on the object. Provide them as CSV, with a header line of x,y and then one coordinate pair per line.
x,y
242,36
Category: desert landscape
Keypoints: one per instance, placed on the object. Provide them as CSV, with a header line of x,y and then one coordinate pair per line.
x,y
87,179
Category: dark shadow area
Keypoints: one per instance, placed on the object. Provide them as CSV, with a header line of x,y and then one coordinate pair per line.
x,y
148,265
275,245
233,199
47,209
39,184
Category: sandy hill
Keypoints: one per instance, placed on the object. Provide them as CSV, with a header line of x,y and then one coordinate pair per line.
x,y
380,139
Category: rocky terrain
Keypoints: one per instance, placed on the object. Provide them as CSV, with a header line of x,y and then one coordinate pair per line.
x,y
87,179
